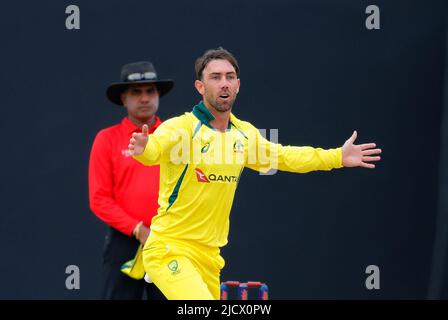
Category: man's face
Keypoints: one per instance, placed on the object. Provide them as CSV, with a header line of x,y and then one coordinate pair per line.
x,y
219,85
141,100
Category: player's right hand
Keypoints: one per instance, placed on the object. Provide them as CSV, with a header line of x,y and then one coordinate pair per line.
x,y
143,234
138,141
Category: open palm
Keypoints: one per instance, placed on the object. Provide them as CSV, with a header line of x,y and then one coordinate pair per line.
x,y
359,155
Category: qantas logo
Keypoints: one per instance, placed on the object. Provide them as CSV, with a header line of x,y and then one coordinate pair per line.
x,y
200,175
213,177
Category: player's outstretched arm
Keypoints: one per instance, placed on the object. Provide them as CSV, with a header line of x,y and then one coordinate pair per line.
x,y
138,141
359,155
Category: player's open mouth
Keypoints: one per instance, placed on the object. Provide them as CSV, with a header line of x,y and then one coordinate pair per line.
x,y
224,96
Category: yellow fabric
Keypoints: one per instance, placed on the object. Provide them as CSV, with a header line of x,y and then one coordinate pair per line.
x,y
188,150
134,268
183,270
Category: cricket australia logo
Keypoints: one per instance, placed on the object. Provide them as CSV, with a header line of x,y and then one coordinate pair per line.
x,y
238,146
174,266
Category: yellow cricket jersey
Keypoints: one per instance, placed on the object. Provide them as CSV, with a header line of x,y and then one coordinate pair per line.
x,y
200,168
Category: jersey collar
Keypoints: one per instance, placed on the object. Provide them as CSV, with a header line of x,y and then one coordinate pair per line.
x,y
201,112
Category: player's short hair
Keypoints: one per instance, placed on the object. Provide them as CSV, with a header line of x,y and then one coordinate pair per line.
x,y
215,54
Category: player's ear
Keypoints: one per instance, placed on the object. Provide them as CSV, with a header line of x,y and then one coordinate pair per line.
x,y
199,86
238,88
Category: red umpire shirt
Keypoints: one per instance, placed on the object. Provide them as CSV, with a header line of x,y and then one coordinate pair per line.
x,y
122,191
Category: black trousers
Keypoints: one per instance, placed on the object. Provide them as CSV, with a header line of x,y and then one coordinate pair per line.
x,y
119,248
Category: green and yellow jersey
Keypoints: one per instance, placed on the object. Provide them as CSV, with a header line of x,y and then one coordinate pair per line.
x,y
200,168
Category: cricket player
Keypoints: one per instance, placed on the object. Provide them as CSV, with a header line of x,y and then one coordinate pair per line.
x,y
201,156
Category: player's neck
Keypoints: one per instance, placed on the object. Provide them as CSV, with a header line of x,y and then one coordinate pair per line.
x,y
221,121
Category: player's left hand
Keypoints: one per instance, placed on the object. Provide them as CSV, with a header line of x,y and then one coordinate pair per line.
x,y
359,155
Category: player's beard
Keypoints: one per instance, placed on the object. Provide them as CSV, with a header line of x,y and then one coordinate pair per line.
x,y
220,106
